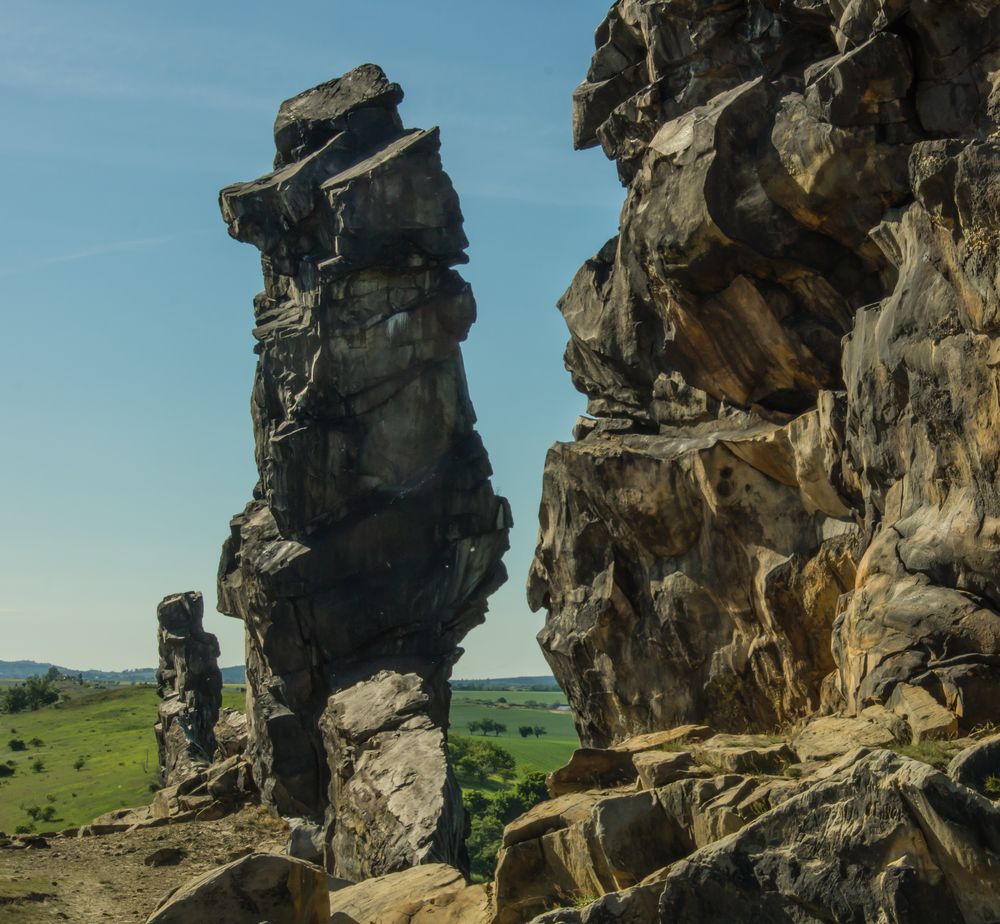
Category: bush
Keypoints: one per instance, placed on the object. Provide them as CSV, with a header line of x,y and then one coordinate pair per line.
x,y
481,759
38,765
24,829
6,770
16,744
37,743
78,764
34,693
488,817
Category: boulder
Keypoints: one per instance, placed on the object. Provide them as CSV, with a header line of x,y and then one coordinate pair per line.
x,y
429,894
393,800
978,767
259,887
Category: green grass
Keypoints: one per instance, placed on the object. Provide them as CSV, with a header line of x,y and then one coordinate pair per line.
x,y
546,753
112,729
513,697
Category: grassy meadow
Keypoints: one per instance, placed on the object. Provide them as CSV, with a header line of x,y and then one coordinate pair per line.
x,y
111,730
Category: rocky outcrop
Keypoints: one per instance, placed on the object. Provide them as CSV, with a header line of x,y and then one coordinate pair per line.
x,y
189,684
783,497
374,537
884,839
803,839
260,887
429,894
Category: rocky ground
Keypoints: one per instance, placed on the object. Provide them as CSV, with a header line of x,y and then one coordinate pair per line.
x,y
102,879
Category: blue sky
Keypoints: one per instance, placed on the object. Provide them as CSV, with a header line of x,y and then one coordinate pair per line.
x,y
127,363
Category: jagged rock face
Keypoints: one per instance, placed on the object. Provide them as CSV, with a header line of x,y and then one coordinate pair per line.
x,y
784,497
189,684
374,537
393,802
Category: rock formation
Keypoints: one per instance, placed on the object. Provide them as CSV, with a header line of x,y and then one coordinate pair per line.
x,y
189,685
374,537
784,498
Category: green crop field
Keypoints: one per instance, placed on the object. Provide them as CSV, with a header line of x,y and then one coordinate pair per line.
x,y
513,697
545,753
111,728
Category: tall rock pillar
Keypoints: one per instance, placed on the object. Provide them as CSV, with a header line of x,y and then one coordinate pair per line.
x,y
374,537
189,684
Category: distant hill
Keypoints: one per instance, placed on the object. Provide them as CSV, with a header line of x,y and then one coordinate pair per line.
x,y
19,670
540,684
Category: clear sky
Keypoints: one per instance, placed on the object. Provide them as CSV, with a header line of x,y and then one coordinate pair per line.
x,y
126,308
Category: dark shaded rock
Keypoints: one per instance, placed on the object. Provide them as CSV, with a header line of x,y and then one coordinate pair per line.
x,y
189,684
978,767
374,537
164,856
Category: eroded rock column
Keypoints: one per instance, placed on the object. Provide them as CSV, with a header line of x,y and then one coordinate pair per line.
x,y
374,537
189,684
783,497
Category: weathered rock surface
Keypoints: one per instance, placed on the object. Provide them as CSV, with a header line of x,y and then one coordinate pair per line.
x,y
885,839
429,894
260,887
189,684
393,803
374,537
784,496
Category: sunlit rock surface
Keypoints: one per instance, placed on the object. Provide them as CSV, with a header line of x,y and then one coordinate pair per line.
x,y
784,496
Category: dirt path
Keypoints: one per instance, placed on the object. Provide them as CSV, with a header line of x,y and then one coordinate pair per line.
x,y
104,879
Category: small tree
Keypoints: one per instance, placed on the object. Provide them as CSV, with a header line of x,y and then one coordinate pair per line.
x,y
499,729
38,765
475,727
524,731
78,763
539,730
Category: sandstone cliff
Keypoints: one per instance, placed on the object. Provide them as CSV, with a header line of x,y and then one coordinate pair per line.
x,y
784,498
374,537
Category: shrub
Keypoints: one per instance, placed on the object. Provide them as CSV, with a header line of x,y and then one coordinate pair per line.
x,y
6,770
37,743
16,744
38,765
79,763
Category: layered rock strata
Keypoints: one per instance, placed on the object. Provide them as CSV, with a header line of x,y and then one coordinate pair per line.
x,y
189,684
374,537
784,496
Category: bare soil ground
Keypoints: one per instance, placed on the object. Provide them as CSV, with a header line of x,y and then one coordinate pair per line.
x,y
104,879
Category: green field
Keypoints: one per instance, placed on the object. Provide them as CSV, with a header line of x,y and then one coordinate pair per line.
x,y
545,753
111,728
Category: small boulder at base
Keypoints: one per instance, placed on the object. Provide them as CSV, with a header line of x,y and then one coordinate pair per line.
x,y
259,887
433,892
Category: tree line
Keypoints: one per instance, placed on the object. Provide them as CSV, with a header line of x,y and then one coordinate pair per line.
x,y
34,693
